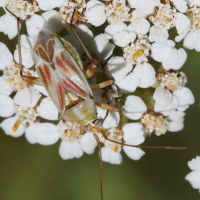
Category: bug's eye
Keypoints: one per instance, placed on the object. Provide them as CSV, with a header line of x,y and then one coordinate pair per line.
x,y
44,47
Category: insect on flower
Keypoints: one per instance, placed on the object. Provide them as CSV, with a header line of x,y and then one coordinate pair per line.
x,y
60,71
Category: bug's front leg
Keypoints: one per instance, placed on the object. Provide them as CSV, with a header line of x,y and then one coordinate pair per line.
x,y
30,79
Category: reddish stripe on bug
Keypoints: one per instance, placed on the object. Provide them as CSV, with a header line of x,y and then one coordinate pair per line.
x,y
74,87
61,65
43,76
48,73
60,91
67,62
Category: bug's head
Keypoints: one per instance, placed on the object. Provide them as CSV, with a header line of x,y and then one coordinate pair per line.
x,y
43,45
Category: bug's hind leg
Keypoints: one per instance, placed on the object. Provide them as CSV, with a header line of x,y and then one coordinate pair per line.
x,y
93,127
101,166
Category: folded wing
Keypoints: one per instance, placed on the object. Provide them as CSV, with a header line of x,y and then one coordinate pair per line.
x,y
52,84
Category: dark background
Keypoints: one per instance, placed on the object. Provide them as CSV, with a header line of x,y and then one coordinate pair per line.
x,y
37,172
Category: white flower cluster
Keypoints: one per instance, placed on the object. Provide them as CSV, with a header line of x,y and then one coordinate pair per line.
x,y
147,72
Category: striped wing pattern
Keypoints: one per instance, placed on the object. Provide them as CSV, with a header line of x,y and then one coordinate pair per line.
x,y
52,84
71,75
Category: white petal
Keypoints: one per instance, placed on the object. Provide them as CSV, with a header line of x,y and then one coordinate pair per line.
x,y
134,107
173,105
119,68
6,57
70,150
182,108
108,155
133,152
146,73
173,58
112,120
101,47
47,109
191,39
41,89
182,35
193,2
197,46
27,57
7,106
7,125
31,133
101,112
50,4
95,13
185,96
52,22
85,33
8,25
159,35
123,38
34,24
110,30
129,84
177,115
194,164
88,143
6,87
27,97
162,97
140,26
180,5
133,133
194,179
176,126
132,3
182,22
145,7
157,49
46,133
3,3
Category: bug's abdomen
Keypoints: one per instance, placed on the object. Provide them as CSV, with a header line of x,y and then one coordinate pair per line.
x,y
82,113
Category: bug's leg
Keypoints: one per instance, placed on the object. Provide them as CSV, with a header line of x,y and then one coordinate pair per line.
x,y
102,85
106,106
143,147
93,127
30,79
106,70
90,70
101,166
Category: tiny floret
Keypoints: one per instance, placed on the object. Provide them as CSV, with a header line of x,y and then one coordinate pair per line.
x,y
194,15
163,17
11,75
117,11
77,7
27,115
171,80
155,122
22,9
137,51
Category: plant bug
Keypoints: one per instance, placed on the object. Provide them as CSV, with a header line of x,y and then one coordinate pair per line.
x,y
60,71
